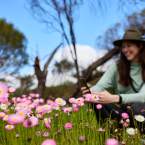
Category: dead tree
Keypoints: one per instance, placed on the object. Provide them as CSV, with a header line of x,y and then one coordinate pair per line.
x,y
59,16
41,74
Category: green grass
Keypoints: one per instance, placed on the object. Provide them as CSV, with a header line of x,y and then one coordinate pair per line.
x,y
84,124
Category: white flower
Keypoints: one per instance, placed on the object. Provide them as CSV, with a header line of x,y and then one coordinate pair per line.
x,y
116,130
127,120
139,118
17,135
131,131
9,127
3,106
60,101
121,121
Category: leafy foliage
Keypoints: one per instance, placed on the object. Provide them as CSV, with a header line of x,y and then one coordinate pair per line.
x,y
63,66
12,47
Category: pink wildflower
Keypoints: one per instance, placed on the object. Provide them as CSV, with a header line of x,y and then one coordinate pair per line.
x,y
44,109
111,141
3,93
124,115
2,114
80,101
72,100
11,90
68,125
99,106
67,109
47,122
55,106
49,142
125,124
49,102
88,97
75,109
15,119
3,89
82,138
30,122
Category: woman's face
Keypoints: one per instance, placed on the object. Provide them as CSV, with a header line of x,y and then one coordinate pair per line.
x,y
131,51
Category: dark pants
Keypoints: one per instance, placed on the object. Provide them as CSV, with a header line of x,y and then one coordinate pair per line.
x,y
114,112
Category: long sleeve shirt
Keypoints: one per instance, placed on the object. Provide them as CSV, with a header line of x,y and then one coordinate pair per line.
x,y
110,80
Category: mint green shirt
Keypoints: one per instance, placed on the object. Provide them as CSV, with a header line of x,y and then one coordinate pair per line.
x,y
110,80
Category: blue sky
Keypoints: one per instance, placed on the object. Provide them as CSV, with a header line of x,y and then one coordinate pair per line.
x,y
89,24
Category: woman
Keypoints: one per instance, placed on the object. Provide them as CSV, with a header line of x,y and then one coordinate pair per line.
x,y
126,78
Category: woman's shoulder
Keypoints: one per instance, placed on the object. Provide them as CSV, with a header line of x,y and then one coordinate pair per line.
x,y
112,66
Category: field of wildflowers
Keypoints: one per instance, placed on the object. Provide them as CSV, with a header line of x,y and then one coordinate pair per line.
x,y
31,120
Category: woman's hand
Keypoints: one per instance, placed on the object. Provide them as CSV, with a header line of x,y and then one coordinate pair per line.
x,y
105,97
85,90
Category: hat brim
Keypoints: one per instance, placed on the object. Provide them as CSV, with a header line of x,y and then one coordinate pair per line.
x,y
119,42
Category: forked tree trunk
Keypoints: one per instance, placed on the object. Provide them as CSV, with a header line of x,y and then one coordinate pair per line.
x,y
42,74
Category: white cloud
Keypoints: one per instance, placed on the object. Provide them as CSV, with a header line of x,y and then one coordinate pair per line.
x,y
86,55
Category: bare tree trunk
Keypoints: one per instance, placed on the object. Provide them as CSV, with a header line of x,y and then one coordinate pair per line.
x,y
42,74
41,77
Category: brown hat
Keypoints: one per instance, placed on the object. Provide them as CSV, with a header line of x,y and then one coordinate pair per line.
x,y
132,34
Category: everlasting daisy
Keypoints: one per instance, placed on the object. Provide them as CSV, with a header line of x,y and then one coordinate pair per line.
x,y
88,97
60,101
72,100
47,122
5,118
3,90
82,138
9,127
67,109
139,118
124,115
49,142
2,114
131,131
15,119
68,125
11,90
30,122
3,106
80,101
111,141
99,106
3,93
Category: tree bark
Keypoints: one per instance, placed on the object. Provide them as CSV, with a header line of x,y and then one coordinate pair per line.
x,y
42,74
41,77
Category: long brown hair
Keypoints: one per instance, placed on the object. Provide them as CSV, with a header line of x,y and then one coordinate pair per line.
x,y
123,65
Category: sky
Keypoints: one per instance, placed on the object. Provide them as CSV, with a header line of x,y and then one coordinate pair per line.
x,y
89,24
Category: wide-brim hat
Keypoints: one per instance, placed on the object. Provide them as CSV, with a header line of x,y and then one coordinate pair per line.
x,y
131,34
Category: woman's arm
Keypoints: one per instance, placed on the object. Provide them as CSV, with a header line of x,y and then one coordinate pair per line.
x,y
107,80
134,97
105,97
